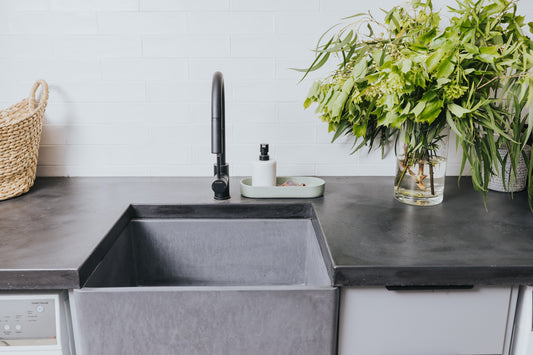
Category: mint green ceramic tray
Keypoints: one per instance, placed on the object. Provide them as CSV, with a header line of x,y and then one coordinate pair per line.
x,y
314,187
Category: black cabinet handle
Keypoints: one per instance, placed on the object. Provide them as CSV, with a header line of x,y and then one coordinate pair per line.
x,y
429,287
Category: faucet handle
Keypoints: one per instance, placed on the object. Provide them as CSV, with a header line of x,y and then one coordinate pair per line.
x,y
221,183
221,188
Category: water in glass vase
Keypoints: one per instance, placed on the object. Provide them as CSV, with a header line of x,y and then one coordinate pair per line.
x,y
420,184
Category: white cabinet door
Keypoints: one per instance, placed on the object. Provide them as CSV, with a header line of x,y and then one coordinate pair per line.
x,y
376,321
523,328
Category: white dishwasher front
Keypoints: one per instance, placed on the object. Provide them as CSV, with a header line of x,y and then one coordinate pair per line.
x,y
35,323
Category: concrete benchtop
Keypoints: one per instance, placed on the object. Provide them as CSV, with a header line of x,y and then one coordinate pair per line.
x,y
48,234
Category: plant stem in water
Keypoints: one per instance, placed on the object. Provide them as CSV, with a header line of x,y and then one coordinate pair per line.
x,y
431,182
401,177
419,178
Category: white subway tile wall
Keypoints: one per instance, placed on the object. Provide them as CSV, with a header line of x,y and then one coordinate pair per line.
x,y
130,83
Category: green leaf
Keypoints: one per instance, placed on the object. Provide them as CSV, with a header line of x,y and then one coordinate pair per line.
x,y
338,104
445,69
490,125
356,15
348,85
339,130
452,125
395,19
493,9
359,130
319,61
424,39
490,50
406,65
433,60
442,81
471,48
469,36
458,111
431,112
378,55
417,110
338,46
370,30
330,102
407,109
314,89
359,70
488,54
530,113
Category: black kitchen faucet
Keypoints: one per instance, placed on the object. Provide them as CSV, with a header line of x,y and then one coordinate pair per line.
x,y
218,139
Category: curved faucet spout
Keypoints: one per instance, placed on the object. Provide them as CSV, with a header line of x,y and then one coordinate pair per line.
x,y
218,138
218,118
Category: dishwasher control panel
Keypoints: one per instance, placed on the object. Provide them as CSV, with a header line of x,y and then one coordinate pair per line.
x,y
28,320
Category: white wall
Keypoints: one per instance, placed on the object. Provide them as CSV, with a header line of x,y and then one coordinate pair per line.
x,y
130,83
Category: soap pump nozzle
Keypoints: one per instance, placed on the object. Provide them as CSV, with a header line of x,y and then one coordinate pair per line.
x,y
263,148
264,170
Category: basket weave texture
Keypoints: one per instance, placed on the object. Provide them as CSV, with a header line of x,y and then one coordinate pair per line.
x,y
20,135
519,182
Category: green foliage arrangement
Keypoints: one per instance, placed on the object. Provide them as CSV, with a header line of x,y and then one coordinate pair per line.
x,y
409,75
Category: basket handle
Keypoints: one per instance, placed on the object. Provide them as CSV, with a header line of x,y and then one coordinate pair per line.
x,y
44,95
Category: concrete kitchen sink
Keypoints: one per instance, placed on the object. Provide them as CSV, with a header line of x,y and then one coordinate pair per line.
x,y
209,279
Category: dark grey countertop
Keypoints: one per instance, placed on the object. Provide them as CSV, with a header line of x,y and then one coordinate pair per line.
x,y
47,234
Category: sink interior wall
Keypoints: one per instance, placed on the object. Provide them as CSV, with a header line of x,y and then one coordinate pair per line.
x,y
204,252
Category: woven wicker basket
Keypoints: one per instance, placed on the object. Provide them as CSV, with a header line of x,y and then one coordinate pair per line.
x,y
496,183
20,134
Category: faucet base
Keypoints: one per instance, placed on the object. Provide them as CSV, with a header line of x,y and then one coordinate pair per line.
x,y
221,189
221,184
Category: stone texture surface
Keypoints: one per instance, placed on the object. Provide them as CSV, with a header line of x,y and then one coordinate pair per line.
x,y
47,235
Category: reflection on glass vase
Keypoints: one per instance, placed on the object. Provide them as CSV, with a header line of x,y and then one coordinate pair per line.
x,y
420,177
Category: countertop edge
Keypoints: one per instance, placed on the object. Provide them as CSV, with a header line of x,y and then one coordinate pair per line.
x,y
489,275
32,279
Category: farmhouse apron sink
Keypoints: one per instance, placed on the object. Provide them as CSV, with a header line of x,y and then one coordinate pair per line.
x,y
209,279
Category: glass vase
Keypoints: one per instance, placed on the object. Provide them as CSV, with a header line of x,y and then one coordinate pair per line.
x,y
420,181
